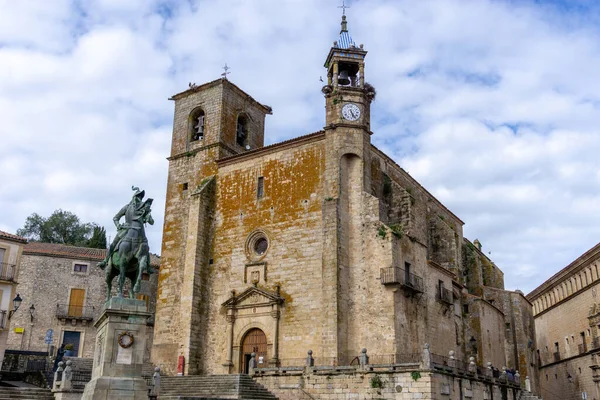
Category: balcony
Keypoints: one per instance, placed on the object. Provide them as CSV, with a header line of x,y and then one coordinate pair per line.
x,y
582,348
445,295
67,311
7,272
411,283
596,343
556,356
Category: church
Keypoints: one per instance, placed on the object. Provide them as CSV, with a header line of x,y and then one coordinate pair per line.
x,y
321,243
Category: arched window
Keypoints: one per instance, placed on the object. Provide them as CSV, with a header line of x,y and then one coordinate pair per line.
x,y
241,136
197,125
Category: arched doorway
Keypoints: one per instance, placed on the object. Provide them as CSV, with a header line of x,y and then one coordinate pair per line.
x,y
255,341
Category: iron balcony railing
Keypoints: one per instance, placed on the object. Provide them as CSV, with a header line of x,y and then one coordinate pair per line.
x,y
68,311
395,275
445,295
7,272
3,321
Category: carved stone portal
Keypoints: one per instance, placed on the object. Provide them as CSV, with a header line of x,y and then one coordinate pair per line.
x,y
254,308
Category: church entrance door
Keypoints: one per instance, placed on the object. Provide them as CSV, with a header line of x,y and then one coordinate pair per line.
x,y
255,341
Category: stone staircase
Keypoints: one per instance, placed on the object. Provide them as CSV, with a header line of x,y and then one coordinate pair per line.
x,y
196,387
525,395
14,393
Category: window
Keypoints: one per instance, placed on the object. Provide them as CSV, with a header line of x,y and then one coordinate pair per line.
x,y
407,272
466,308
184,186
241,136
507,326
197,125
260,189
257,245
80,268
76,301
260,246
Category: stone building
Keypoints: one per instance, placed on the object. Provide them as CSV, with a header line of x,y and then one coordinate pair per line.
x,y
11,248
320,242
567,318
67,292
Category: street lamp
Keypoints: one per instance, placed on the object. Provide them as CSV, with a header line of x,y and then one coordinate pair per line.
x,y
16,304
473,342
31,311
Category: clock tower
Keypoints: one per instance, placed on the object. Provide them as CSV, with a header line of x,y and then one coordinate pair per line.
x,y
348,98
348,108
347,186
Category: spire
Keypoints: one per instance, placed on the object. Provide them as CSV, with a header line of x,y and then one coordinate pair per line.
x,y
345,41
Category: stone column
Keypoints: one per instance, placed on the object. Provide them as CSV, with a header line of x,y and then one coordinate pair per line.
x,y
361,72
275,359
426,357
230,320
335,73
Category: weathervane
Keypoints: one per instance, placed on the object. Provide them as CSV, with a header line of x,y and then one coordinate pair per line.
x,y
226,69
343,7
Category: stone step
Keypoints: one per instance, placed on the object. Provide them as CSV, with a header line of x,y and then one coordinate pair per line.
x,y
25,393
197,387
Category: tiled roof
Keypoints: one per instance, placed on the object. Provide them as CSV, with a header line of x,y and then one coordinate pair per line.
x,y
10,236
82,253
259,150
345,41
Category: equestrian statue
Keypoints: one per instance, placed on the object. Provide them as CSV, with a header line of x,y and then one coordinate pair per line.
x,y
129,255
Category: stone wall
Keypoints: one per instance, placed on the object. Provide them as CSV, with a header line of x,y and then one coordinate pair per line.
x,y
520,339
403,383
486,325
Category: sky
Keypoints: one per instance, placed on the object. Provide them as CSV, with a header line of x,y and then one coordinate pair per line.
x,y
492,105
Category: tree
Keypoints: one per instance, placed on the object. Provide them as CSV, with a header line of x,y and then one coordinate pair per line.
x,y
98,239
63,227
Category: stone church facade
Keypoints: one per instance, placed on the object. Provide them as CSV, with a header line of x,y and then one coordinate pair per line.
x,y
321,242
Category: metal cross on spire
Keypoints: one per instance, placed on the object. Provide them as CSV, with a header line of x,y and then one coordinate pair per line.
x,y
343,7
226,69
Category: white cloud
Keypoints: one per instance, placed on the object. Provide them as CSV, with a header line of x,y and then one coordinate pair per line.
x,y
492,105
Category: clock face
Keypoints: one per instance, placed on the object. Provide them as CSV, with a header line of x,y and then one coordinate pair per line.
x,y
351,112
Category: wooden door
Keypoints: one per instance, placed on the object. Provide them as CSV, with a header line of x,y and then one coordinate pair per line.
x,y
255,341
76,302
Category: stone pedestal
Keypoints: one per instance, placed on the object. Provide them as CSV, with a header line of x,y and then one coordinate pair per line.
x,y
117,370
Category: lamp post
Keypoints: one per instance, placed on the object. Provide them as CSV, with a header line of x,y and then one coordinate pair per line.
x,y
31,313
16,304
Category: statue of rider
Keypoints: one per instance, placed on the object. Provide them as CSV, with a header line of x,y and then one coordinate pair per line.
x,y
136,213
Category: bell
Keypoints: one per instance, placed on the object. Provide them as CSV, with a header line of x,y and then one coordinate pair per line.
x,y
343,78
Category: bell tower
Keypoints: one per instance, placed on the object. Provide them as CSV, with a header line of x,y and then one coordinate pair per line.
x,y
348,98
347,181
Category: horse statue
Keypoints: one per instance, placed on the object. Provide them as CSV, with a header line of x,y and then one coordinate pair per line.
x,y
129,255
